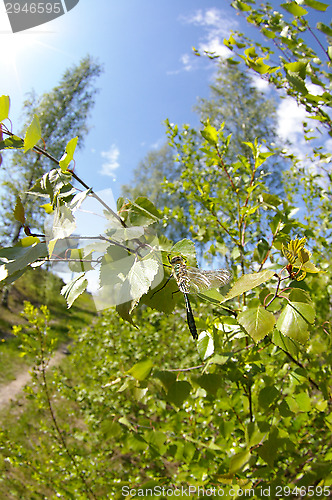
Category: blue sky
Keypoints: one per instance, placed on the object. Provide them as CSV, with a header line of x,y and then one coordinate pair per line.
x,y
150,72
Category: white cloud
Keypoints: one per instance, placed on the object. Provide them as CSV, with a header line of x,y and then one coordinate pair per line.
x,y
259,82
186,60
111,164
217,26
290,118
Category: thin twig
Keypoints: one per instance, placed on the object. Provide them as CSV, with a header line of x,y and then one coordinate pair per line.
x,y
77,178
186,369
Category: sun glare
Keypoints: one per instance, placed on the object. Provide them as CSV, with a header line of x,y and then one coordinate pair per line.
x,y
22,51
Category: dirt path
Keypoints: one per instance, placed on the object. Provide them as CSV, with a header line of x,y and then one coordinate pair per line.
x,y
12,390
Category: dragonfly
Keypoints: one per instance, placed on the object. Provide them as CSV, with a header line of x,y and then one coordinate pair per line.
x,y
194,280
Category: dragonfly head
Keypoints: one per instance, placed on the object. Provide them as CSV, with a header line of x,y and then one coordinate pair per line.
x,y
177,259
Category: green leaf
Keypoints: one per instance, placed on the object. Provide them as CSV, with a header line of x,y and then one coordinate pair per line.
x,y
268,33
124,310
19,211
63,226
329,51
16,259
304,401
52,184
205,345
156,438
187,248
243,6
297,82
257,322
141,370
12,142
271,200
160,297
259,66
213,296
211,382
293,321
82,263
316,5
253,434
178,392
210,134
4,107
248,282
269,450
142,212
284,409
297,67
267,396
47,207
33,134
74,288
285,343
294,9
166,378
111,429
324,29
238,461
68,154
261,250
29,241
127,279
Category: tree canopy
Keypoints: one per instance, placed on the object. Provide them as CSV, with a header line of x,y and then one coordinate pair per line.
x,y
62,114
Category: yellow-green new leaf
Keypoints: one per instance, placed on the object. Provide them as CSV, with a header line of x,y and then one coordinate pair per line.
x,y
248,282
294,8
314,4
69,154
141,370
19,211
257,322
4,107
238,461
210,134
33,134
47,207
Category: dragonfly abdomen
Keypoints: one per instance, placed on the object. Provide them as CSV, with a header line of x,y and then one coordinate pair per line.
x,y
190,317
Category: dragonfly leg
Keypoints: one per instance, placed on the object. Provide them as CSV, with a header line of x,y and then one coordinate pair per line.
x,y
166,283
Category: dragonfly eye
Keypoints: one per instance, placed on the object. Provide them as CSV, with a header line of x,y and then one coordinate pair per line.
x,y
176,260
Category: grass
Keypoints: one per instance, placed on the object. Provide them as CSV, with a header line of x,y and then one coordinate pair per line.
x,y
39,287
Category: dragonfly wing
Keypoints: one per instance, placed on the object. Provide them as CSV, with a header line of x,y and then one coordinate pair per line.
x,y
201,280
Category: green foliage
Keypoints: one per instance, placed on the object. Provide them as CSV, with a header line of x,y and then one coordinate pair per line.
x,y
299,62
248,406
245,114
39,287
143,409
